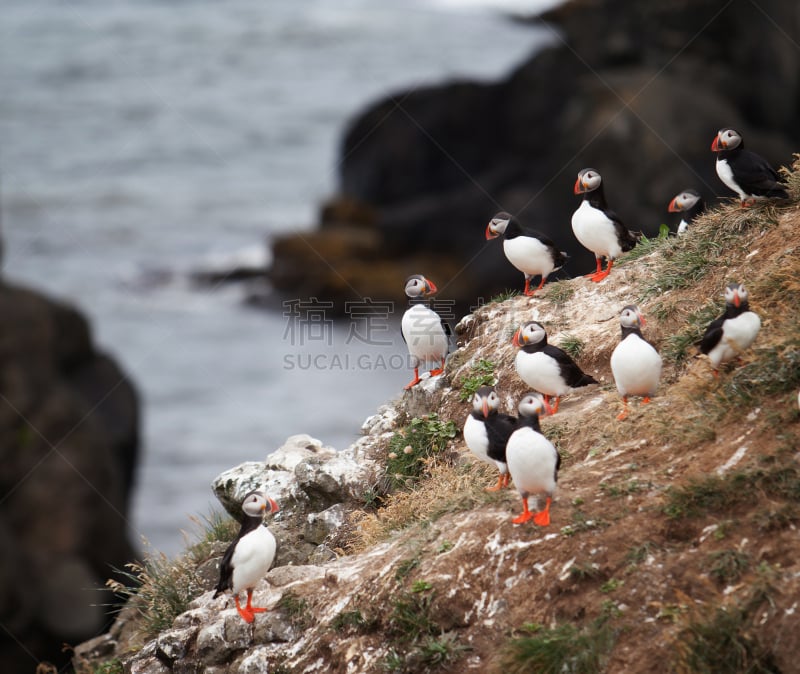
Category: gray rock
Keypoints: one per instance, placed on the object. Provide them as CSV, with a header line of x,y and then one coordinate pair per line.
x,y
173,644
212,646
321,525
321,555
272,627
256,661
150,665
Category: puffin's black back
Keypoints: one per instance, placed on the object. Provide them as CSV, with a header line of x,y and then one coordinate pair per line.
x,y
226,566
570,372
499,428
714,330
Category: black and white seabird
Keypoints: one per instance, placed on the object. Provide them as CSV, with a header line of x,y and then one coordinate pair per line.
x,y
533,460
546,368
733,332
486,432
250,555
598,228
689,204
424,332
745,172
635,363
529,251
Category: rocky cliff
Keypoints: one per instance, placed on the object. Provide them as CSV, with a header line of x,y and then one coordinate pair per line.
x,y
636,90
673,544
68,445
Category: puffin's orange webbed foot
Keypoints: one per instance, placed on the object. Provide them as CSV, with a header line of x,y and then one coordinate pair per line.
x,y
524,517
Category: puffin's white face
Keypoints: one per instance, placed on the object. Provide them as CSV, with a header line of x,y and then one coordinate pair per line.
x,y
532,404
631,317
588,180
497,225
684,201
256,503
419,286
727,139
530,333
735,294
485,401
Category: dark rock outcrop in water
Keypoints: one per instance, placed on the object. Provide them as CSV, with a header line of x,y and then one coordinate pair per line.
x,y
635,90
68,445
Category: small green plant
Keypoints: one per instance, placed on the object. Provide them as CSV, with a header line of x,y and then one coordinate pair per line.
x,y
722,641
727,566
445,546
610,585
624,488
676,345
647,245
216,527
639,553
505,295
422,439
296,609
719,494
435,652
420,586
160,589
579,572
111,667
573,345
349,620
481,374
560,292
405,567
565,648
410,618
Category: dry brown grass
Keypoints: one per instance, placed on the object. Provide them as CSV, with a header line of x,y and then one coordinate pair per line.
x,y
447,487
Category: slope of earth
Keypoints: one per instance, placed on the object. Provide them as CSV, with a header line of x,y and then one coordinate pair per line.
x,y
673,544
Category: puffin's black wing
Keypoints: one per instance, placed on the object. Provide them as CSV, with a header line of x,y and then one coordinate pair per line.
x,y
499,428
627,238
446,327
713,335
756,176
558,465
226,570
572,374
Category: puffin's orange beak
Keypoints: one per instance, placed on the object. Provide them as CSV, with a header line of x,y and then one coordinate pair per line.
x,y
715,146
642,322
489,233
273,506
673,205
485,408
432,289
515,340
736,300
578,189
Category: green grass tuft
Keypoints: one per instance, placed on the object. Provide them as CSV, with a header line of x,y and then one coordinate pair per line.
x,y
565,648
481,374
573,345
505,295
559,293
296,609
727,566
409,449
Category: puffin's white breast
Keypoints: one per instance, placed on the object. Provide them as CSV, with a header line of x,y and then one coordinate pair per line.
x,y
725,174
636,366
477,438
595,231
531,459
737,335
252,558
424,334
529,255
541,373
683,226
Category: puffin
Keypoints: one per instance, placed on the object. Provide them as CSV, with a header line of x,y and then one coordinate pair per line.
x,y
745,172
546,368
733,332
690,204
424,332
529,251
635,363
533,460
486,432
250,555
598,228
